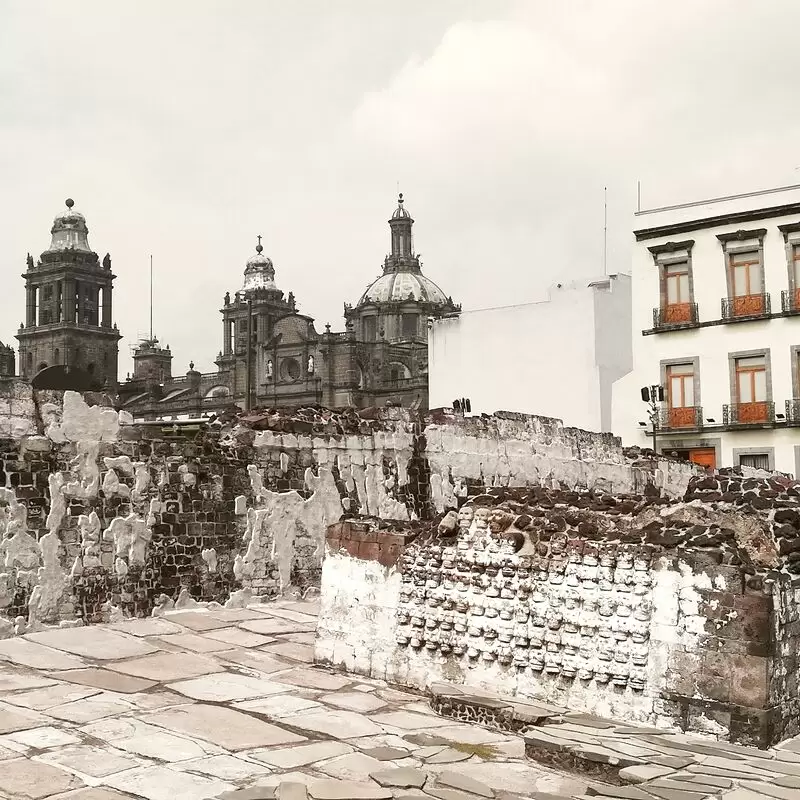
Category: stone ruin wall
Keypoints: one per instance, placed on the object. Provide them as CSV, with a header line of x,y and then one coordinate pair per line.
x,y
100,517
680,613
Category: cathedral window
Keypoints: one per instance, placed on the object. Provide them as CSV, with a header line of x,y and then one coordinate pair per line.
x,y
370,328
410,325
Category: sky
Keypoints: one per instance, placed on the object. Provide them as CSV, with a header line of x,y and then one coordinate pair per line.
x,y
185,128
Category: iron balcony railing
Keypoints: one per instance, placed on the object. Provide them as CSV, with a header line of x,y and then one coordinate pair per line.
x,y
677,418
746,306
761,412
670,316
790,301
793,411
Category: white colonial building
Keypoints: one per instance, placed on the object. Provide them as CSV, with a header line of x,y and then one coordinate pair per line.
x,y
716,322
558,357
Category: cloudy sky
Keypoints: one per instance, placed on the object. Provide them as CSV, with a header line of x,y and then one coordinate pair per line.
x,y
183,128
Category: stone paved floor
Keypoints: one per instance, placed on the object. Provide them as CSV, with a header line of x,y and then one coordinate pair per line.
x,y
225,703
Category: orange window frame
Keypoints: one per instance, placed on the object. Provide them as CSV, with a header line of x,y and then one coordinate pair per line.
x,y
674,275
681,377
745,265
751,372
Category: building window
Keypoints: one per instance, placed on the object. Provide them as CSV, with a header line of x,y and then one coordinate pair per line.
x,y
755,460
751,389
394,376
410,325
680,395
747,283
56,356
795,275
290,369
677,292
370,328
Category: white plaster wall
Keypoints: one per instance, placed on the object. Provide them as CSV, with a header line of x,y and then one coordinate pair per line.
x,y
713,344
358,626
537,358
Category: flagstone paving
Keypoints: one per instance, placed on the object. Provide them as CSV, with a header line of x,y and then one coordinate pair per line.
x,y
226,703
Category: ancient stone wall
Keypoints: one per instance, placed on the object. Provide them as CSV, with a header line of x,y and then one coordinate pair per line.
x,y
101,517
677,613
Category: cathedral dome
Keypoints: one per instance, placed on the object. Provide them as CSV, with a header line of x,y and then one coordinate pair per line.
x,y
259,272
70,230
394,287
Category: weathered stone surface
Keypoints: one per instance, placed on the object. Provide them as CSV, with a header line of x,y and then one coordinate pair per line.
x,y
643,773
400,778
104,679
225,727
17,779
300,755
347,790
167,666
96,762
463,783
224,686
93,642
161,783
32,654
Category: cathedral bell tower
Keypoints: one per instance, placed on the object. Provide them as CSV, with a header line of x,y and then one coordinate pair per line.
x,y
68,309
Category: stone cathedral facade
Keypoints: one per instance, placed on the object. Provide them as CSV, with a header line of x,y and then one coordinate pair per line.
x,y
272,355
68,327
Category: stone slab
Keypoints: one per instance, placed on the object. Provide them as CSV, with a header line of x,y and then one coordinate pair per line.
x,y
254,659
224,727
447,755
18,719
351,767
353,701
463,783
96,762
226,686
49,696
400,778
44,737
338,724
250,793
19,779
94,793
167,666
292,757
90,709
163,783
315,679
138,737
292,650
105,679
411,721
193,642
224,767
270,626
196,620
277,706
93,641
289,790
31,654
238,638
15,681
388,753
290,614
347,790
643,773
149,626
